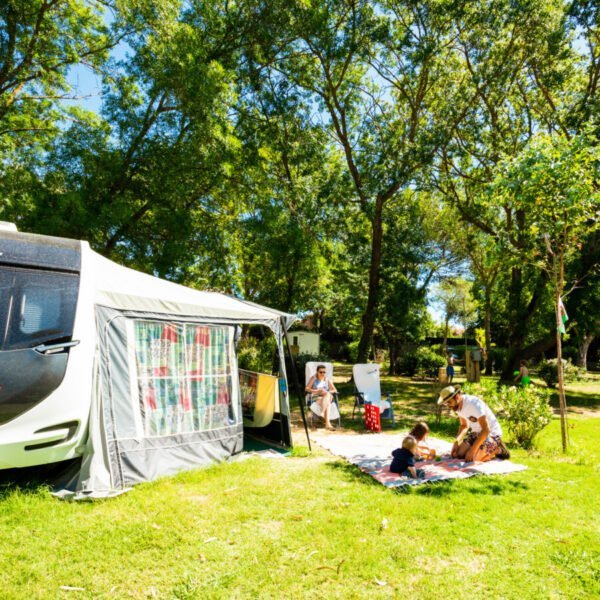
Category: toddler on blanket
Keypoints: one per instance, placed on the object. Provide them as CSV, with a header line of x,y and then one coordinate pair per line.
x,y
403,461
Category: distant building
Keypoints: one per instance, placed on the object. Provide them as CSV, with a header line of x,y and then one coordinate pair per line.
x,y
305,342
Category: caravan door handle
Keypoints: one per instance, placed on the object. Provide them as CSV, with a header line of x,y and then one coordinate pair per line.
x,y
54,348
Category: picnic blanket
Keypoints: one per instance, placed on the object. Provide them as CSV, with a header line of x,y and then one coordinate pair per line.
x,y
372,454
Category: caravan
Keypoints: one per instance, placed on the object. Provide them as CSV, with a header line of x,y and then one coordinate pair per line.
x,y
135,374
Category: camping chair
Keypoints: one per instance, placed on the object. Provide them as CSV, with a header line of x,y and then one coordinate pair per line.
x,y
315,409
368,391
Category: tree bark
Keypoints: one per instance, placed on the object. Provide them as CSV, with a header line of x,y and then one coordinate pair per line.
x,y
368,317
488,332
583,350
520,314
445,344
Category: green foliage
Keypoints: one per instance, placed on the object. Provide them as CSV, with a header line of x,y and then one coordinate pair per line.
x,y
526,411
486,389
548,371
498,356
310,156
424,362
257,355
304,358
39,42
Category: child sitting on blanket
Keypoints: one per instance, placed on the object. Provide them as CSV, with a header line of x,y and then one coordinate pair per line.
x,y
404,458
420,431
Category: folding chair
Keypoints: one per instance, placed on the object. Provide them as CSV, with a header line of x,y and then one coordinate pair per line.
x,y
315,409
368,391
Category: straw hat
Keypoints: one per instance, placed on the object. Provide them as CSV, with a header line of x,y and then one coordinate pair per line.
x,y
447,393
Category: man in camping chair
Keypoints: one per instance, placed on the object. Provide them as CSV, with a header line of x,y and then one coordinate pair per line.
x,y
322,389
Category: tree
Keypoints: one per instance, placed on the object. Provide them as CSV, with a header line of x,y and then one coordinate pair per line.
x,y
539,81
384,79
455,297
40,40
555,180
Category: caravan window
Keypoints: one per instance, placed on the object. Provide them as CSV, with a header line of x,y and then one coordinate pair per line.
x,y
36,306
184,377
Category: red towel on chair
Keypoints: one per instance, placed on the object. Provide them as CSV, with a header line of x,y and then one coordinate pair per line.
x,y
372,417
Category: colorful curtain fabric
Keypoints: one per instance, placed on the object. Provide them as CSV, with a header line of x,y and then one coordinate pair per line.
x,y
184,375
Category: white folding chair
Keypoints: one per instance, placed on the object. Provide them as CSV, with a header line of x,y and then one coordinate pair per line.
x,y
315,408
368,390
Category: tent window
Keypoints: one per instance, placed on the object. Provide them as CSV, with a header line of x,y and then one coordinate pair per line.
x,y
184,376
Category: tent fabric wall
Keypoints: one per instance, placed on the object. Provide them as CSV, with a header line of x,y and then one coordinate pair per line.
x,y
123,447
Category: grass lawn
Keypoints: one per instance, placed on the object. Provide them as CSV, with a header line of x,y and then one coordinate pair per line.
x,y
313,526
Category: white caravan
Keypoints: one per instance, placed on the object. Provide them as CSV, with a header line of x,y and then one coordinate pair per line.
x,y
151,361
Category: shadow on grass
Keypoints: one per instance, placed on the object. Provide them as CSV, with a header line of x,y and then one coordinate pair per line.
x,y
578,399
351,472
496,486
32,480
479,485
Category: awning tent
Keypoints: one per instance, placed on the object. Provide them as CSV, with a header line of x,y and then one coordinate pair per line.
x,y
166,392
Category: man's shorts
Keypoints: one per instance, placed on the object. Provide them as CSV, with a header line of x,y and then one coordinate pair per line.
x,y
450,371
493,445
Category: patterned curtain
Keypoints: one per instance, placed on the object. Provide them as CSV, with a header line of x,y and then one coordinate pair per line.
x,y
184,377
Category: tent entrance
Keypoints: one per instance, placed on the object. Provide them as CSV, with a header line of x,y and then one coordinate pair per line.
x,y
262,412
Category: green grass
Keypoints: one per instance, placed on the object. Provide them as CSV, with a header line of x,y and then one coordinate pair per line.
x,y
313,526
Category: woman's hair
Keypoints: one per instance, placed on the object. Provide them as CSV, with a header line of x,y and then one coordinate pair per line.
x,y
319,367
409,443
419,431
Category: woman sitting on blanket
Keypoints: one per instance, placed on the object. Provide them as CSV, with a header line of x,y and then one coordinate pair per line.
x,y
420,431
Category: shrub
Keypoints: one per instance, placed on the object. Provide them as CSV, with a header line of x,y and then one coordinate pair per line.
x,y
487,390
498,356
424,362
570,353
408,363
526,411
429,361
548,371
257,355
303,358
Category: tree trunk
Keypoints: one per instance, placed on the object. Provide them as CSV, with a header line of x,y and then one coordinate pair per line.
x,y
558,287
392,348
561,386
588,338
488,332
520,313
445,344
368,318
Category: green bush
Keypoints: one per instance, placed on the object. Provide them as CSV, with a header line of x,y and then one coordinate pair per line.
x,y
526,411
498,356
487,390
407,364
570,353
424,362
548,371
303,358
257,355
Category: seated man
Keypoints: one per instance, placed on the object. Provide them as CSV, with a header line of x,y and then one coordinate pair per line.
x,y
478,423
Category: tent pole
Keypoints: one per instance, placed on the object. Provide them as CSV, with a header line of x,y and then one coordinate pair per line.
x,y
296,382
